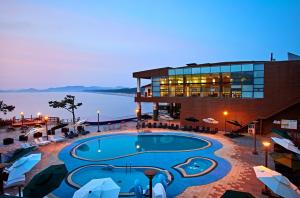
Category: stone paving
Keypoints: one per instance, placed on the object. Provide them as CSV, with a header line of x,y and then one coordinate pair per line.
x,y
237,151
241,177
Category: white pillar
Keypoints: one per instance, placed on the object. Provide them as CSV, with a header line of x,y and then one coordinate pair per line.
x,y
138,86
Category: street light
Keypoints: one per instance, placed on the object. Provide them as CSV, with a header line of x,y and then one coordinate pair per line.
x,y
225,113
98,113
266,145
46,123
22,117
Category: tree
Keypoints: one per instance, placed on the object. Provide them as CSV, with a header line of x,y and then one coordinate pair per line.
x,y
67,103
6,108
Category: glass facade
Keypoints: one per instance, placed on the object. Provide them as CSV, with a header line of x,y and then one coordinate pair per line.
x,y
235,81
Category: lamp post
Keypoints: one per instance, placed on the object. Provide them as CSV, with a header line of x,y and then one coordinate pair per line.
x,y
150,173
46,123
254,139
98,113
225,113
22,118
266,146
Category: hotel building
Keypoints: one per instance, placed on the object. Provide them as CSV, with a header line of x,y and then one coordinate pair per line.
x,y
261,91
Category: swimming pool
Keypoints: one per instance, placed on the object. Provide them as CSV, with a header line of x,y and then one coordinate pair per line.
x,y
106,148
186,159
126,177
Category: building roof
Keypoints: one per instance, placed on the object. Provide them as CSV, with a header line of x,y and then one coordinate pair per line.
x,y
147,74
221,63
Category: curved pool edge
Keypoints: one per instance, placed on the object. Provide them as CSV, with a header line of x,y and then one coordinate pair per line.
x,y
73,150
182,184
184,174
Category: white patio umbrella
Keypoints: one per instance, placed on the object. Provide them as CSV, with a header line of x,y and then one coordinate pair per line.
x,y
276,182
210,121
288,144
104,188
23,165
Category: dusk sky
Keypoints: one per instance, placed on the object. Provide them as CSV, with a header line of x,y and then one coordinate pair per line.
x,y
100,43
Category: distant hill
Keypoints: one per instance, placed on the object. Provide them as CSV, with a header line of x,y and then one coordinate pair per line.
x,y
65,89
122,90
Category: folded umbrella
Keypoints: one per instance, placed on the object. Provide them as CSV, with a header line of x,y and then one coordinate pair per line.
x,y
234,122
192,119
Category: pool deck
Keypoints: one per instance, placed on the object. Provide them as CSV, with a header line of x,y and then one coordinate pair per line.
x,y
237,151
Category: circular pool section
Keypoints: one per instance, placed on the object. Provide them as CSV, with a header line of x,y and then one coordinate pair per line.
x,y
117,146
125,177
195,166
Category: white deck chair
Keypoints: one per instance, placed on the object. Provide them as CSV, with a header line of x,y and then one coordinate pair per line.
x,y
56,138
41,142
26,145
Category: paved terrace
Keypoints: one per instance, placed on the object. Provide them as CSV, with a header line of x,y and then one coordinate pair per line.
x,y
237,151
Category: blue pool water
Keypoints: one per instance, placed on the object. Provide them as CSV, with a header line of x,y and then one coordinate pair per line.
x,y
197,166
163,151
124,145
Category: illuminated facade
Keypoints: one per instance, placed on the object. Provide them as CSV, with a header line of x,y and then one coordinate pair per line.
x,y
248,90
235,81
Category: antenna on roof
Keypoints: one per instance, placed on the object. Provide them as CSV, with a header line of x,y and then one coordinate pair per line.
x,y
271,58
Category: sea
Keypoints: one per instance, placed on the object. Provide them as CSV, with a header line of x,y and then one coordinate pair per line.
x,y
111,106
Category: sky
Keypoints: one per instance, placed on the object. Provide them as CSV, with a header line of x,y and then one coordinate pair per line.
x,y
101,43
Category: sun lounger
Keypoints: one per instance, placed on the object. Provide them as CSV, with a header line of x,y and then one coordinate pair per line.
x,y
41,142
26,145
165,126
143,125
56,138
